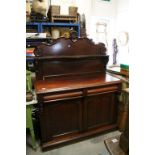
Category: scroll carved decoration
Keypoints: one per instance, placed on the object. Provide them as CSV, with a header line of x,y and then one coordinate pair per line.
x,y
68,47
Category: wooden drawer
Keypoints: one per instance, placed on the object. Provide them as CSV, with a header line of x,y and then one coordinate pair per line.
x,y
61,96
102,90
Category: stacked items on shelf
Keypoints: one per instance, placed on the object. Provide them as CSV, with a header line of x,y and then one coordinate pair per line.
x,y
29,52
30,59
55,16
35,35
124,69
55,25
37,17
39,11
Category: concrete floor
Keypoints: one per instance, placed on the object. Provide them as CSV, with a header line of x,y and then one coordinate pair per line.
x,y
93,146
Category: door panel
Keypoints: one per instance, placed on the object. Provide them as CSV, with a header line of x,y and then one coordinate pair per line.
x,y
101,110
60,118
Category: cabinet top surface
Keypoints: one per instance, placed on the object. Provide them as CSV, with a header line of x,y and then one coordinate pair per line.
x,y
62,84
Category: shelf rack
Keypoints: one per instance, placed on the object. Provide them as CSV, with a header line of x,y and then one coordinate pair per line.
x,y
41,25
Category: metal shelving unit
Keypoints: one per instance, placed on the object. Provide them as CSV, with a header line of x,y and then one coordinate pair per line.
x,y
34,24
41,25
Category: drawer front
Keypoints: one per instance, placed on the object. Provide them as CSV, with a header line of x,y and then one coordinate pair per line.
x,y
61,96
102,90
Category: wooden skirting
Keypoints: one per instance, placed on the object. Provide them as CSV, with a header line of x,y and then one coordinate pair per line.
x,y
56,142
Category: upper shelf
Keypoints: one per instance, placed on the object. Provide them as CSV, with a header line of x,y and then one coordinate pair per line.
x,y
40,25
61,24
52,24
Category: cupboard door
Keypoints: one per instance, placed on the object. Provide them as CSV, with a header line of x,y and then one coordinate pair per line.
x,y
60,118
101,110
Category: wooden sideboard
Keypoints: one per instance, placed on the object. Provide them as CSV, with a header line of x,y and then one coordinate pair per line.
x,y
77,99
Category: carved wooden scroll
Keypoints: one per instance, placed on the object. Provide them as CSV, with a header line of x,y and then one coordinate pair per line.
x,y
68,47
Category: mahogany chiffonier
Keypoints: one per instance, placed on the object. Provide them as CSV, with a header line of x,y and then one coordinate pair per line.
x,y
77,99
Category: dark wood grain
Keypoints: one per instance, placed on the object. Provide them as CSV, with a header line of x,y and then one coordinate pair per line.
x,y
99,110
65,58
64,118
77,99
58,84
68,47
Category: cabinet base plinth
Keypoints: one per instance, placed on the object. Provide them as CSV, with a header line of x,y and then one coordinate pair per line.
x,y
72,138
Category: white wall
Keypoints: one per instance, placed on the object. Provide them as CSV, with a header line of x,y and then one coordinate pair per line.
x,y
122,5
122,20
104,8
103,11
122,24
